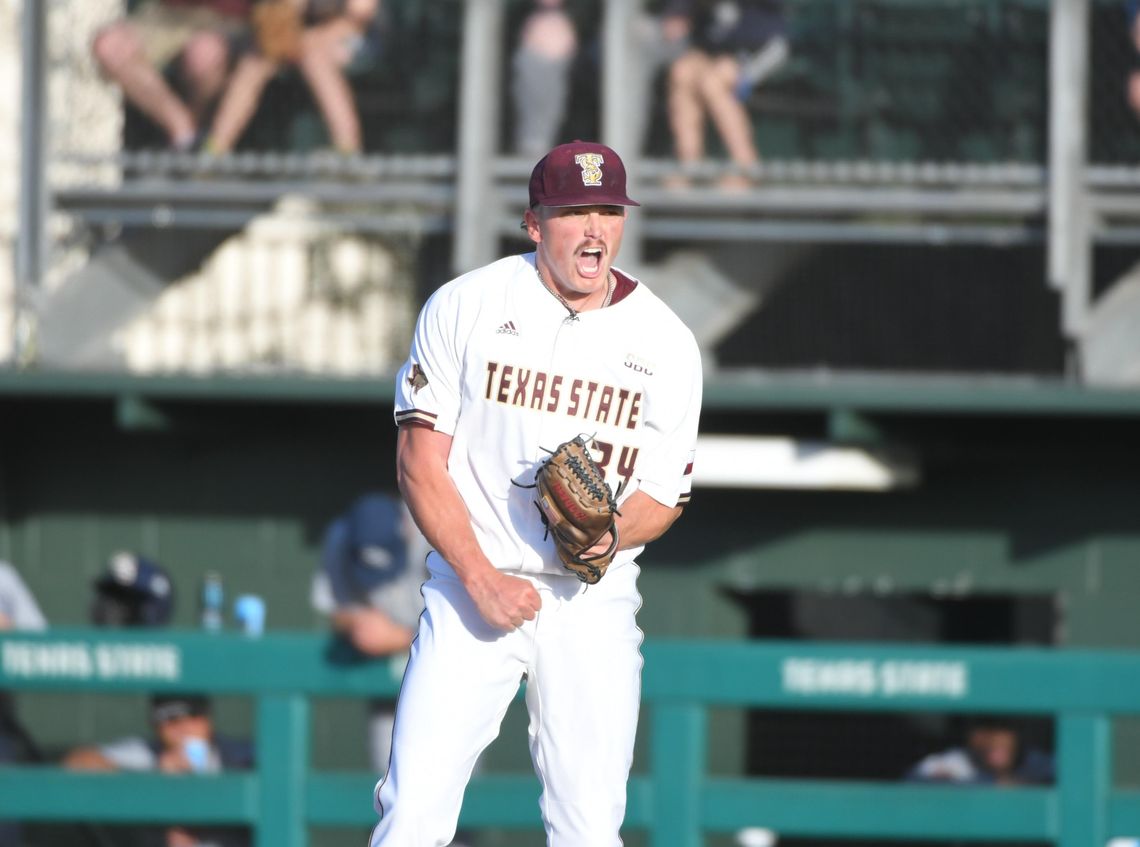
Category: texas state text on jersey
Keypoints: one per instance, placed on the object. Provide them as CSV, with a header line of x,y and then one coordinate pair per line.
x,y
587,399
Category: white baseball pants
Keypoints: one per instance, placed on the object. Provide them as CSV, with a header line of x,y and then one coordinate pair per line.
x,y
582,661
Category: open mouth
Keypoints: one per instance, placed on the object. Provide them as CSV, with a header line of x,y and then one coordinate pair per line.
x,y
590,262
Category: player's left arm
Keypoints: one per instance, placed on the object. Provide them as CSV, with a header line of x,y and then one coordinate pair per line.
x,y
643,519
664,470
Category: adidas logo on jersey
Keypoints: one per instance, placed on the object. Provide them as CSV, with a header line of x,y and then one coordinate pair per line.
x,y
507,329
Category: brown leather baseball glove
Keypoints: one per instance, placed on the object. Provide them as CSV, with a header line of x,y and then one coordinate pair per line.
x,y
578,509
277,29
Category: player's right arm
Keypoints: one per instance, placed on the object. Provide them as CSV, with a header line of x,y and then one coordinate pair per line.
x,y
503,600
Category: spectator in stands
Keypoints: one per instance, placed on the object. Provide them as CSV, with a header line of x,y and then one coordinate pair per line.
x,y
1132,10
183,741
132,591
368,584
993,753
540,87
335,35
731,46
18,611
373,562
18,607
189,41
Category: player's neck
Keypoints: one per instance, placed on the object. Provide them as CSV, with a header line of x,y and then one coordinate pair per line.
x,y
577,302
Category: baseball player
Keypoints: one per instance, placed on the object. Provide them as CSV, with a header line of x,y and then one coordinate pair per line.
x,y
507,362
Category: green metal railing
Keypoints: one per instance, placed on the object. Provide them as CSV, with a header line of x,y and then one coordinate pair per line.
x,y
676,801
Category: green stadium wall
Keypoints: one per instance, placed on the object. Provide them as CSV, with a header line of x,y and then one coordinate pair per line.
x,y
241,477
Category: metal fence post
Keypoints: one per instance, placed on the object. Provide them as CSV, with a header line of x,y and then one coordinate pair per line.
x,y
1084,779
625,90
476,212
1069,248
283,769
679,750
31,249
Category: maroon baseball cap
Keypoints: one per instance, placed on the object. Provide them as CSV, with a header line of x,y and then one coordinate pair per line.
x,y
580,173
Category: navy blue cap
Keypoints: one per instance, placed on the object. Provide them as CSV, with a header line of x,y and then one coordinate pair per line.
x,y
366,546
177,704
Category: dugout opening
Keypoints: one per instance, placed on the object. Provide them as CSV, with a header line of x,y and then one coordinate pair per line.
x,y
881,746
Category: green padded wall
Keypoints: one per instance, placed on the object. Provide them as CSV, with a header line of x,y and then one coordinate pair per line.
x,y
1008,504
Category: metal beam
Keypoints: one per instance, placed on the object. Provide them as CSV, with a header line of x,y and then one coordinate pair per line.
x,y
31,244
476,242
738,391
625,90
1069,248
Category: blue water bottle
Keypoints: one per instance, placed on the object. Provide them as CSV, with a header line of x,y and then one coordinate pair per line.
x,y
249,612
213,602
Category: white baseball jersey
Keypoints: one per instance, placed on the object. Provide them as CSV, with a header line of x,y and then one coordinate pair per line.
x,y
500,365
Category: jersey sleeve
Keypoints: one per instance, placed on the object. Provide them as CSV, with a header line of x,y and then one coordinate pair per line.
x,y
429,383
665,472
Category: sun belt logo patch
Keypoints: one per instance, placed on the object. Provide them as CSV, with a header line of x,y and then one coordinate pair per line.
x,y
417,378
591,165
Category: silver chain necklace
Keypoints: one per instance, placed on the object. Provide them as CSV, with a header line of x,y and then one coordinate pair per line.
x,y
611,283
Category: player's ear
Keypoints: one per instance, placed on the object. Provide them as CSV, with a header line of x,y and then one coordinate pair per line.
x,y
530,224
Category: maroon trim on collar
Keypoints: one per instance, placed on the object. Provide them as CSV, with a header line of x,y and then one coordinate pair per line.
x,y
623,286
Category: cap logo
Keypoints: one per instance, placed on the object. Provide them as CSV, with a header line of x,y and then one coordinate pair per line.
x,y
375,556
591,165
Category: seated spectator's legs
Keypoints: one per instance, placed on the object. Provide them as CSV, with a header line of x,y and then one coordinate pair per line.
x,y
686,111
718,89
1134,75
134,51
541,81
327,48
204,67
326,51
119,51
700,84
248,81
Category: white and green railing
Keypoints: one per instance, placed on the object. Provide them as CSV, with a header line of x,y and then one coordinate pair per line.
x,y
675,800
